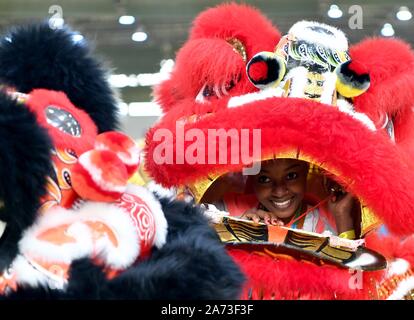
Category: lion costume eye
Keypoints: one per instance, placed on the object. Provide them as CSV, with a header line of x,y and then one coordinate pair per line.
x,y
208,92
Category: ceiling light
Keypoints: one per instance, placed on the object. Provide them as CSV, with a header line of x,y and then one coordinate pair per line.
x,y
387,30
126,20
144,109
56,22
334,12
123,108
404,14
118,80
167,65
139,36
77,37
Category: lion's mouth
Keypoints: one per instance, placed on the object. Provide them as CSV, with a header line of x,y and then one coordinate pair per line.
x,y
2,223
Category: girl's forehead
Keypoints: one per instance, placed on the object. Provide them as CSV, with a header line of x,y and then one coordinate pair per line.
x,y
282,164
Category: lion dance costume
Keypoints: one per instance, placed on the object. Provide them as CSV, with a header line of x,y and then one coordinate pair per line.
x,y
345,110
71,225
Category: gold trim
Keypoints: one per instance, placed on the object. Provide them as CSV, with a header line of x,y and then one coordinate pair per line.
x,y
199,188
369,221
238,47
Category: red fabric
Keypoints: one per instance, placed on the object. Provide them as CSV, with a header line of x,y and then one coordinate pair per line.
x,y
237,204
40,99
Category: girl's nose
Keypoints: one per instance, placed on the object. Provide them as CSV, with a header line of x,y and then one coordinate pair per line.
x,y
279,190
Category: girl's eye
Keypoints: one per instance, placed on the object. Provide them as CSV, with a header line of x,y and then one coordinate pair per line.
x,y
263,179
291,176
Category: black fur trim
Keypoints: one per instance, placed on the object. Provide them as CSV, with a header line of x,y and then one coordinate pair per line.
x,y
24,165
273,69
193,264
348,76
37,56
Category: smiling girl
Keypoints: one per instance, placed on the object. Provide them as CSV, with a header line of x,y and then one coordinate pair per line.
x,y
280,189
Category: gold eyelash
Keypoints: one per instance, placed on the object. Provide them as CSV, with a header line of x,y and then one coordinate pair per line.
x,y
238,47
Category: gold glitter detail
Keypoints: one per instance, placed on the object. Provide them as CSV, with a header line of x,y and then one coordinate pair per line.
x,y
238,47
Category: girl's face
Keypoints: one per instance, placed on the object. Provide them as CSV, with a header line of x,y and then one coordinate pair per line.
x,y
281,185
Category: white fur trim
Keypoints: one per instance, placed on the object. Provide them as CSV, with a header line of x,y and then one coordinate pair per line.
x,y
329,86
404,287
130,158
337,41
128,248
345,107
213,213
397,267
238,101
299,78
27,274
158,189
115,217
32,246
161,225
96,175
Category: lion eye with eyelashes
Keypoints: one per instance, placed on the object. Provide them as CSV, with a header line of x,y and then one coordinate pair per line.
x,y
209,92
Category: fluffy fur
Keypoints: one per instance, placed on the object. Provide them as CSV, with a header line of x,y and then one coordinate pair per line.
x,y
337,40
326,133
390,64
208,48
24,164
39,99
271,278
38,57
191,265
365,160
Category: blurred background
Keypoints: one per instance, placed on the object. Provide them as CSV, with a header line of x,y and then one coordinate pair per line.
x,y
138,39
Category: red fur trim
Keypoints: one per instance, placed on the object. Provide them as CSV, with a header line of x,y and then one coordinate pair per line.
x,y
392,247
368,160
87,189
243,22
40,99
208,58
357,67
123,146
112,169
291,279
390,64
404,133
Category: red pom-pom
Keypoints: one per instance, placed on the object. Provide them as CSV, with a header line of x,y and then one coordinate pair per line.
x,y
123,146
99,175
357,67
258,71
